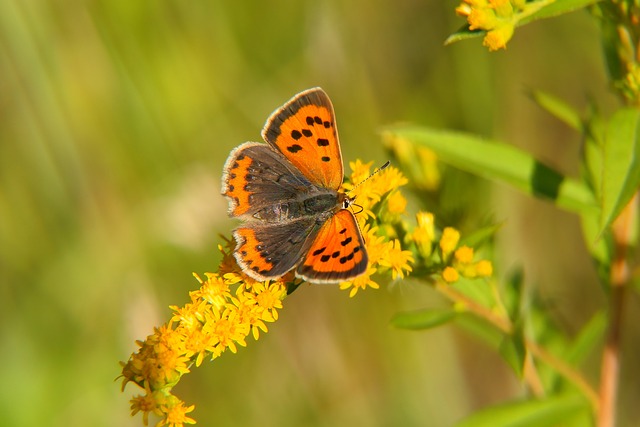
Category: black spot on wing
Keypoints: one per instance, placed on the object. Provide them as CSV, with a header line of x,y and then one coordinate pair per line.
x,y
294,148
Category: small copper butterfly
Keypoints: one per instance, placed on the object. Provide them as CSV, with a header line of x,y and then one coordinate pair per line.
x,y
287,193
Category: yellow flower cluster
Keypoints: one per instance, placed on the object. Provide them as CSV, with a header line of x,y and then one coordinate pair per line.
x,y
458,260
497,17
215,320
382,206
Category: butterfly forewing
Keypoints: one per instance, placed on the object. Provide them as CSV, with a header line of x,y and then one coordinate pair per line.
x,y
337,253
257,177
304,131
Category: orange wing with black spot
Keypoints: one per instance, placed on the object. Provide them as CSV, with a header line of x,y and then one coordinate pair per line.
x,y
337,253
304,131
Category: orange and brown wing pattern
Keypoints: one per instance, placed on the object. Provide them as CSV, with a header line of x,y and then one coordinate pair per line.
x,y
304,131
256,176
269,251
337,253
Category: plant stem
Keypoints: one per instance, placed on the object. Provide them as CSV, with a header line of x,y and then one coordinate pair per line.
x,y
610,366
504,325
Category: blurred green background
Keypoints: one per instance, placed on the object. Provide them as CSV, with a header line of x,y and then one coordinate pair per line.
x,y
115,120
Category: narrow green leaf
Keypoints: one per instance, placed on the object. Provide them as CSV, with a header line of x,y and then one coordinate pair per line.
x,y
557,8
463,33
550,412
558,108
513,294
501,163
514,353
480,236
423,319
594,141
590,335
621,171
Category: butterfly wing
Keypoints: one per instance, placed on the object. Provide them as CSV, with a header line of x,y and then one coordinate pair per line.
x,y
337,252
256,177
304,131
268,251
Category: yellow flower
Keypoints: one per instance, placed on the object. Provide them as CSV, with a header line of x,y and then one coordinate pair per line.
x,y
450,274
449,240
359,172
464,255
226,328
397,203
146,404
376,245
424,234
360,282
484,268
498,37
497,17
397,260
480,19
176,416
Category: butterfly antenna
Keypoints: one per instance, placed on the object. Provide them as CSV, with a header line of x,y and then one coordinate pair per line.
x,y
381,168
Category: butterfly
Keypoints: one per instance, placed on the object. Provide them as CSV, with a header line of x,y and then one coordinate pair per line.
x,y
287,194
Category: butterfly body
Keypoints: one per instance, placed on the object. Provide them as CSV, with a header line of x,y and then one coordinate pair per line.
x,y
287,193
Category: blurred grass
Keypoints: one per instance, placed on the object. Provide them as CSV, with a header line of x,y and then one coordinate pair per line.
x,y
115,120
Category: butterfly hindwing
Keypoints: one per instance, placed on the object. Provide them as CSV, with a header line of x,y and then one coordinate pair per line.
x,y
337,253
256,177
269,251
304,131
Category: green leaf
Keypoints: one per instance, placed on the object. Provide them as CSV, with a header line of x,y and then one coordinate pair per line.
x,y
550,412
590,335
499,162
463,33
514,293
558,109
557,8
513,351
423,319
480,236
621,170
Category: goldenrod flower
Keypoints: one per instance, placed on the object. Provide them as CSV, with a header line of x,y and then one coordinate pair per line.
x,y
449,241
176,416
398,260
424,233
497,17
360,282
498,37
463,255
484,268
215,320
450,274
461,263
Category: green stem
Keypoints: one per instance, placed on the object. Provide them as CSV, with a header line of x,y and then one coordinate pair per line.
x,y
503,324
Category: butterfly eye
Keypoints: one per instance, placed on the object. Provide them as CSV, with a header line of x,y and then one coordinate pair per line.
x,y
346,203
